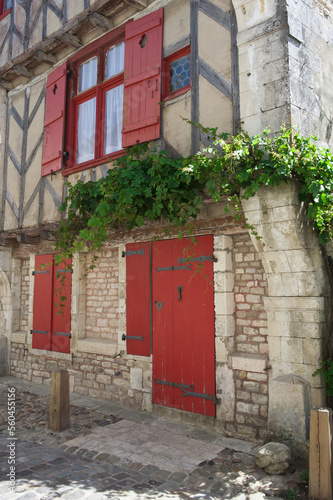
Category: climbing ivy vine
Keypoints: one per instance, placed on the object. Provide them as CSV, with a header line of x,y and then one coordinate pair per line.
x,y
146,184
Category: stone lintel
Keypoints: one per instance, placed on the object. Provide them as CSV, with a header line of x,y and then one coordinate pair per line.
x,y
249,362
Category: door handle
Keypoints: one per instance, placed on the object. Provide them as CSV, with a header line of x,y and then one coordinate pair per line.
x,y
180,291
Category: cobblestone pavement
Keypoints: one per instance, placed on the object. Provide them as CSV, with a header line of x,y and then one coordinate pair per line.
x,y
117,453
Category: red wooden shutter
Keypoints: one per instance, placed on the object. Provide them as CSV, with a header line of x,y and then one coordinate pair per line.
x,y
54,122
61,323
138,298
41,329
142,79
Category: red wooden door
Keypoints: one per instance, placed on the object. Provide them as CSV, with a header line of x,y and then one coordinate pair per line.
x,y
183,325
61,312
41,328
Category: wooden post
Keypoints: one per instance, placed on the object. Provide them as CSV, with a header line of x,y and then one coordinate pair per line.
x,y
59,419
320,459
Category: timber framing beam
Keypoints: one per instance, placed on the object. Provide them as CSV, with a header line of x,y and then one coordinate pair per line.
x,y
137,4
101,21
22,71
69,34
71,40
46,58
5,85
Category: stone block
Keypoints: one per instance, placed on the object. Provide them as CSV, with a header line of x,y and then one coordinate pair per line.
x,y
225,383
274,344
289,408
224,303
312,351
249,362
224,260
103,379
274,458
224,281
136,378
223,242
252,409
292,350
224,326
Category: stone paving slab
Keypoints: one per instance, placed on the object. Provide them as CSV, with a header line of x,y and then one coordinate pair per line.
x,y
126,455
175,451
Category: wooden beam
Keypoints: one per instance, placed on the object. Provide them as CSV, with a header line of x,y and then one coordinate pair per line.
x,y
46,58
22,71
138,4
71,40
5,85
8,242
28,239
101,21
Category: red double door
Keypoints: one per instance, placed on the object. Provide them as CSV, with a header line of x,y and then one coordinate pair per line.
x,y
183,325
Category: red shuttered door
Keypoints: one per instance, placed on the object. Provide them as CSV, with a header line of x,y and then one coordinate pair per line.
x,y
41,327
138,298
183,326
51,322
61,314
142,79
54,122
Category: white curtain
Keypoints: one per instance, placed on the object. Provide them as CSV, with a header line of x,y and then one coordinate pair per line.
x,y
113,119
86,124
115,60
88,75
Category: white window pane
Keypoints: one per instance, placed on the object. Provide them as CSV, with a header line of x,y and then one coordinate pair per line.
x,y
86,124
88,74
113,119
115,60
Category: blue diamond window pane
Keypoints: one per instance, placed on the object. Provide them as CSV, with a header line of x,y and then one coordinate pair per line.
x,y
180,73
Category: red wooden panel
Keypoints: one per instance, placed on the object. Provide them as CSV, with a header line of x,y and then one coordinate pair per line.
x,y
61,316
54,120
183,331
142,79
195,357
163,319
138,298
42,302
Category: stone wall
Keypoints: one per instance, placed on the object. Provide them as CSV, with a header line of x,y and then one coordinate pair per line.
x,y
310,64
124,380
295,306
250,337
25,284
102,290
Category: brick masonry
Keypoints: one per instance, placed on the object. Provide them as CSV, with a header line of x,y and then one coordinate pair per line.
x,y
102,291
25,280
251,411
